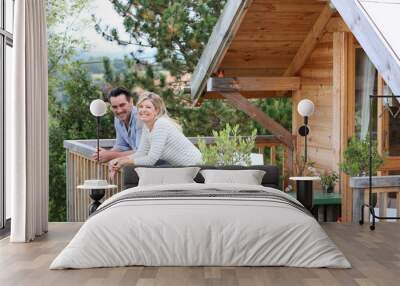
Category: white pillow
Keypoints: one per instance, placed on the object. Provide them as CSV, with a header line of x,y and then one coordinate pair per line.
x,y
166,176
248,177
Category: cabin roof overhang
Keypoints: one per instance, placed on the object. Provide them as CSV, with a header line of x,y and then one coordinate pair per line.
x,y
273,38
375,26
261,39
219,41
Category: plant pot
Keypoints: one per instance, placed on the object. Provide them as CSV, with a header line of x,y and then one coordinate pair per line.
x,y
328,189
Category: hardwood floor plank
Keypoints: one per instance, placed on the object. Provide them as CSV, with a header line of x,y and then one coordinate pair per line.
x,y
374,255
131,276
212,273
146,282
149,272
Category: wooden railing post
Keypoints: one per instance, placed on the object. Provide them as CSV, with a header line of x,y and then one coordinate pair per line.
x,y
272,155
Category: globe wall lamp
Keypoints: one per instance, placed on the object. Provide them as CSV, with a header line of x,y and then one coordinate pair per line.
x,y
305,109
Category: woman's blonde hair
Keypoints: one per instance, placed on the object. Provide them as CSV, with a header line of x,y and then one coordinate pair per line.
x,y
159,105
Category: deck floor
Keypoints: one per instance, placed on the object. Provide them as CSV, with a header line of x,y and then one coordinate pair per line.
x,y
375,257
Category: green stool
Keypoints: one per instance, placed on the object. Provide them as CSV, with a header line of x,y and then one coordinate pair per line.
x,y
325,200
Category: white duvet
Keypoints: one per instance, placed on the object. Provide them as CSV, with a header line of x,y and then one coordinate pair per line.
x,y
185,231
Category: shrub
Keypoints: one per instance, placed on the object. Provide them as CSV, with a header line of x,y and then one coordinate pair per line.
x,y
229,148
356,157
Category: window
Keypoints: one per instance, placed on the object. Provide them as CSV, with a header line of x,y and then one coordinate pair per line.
x,y
6,44
392,108
366,85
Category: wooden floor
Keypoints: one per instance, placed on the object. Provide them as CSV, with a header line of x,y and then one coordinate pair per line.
x,y
375,257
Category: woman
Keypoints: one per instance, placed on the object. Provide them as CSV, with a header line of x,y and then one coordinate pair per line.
x,y
162,138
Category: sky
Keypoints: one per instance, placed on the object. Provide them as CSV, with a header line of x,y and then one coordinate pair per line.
x,y
103,10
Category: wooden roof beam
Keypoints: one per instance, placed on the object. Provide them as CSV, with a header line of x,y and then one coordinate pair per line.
x,y
224,84
214,95
241,103
310,41
336,24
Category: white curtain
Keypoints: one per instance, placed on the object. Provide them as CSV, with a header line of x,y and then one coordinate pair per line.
x,y
26,119
367,89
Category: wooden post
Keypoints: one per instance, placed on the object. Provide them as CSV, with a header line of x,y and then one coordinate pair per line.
x,y
69,184
343,113
272,155
287,153
296,123
383,201
382,125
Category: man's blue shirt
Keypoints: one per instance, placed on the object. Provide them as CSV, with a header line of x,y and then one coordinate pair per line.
x,y
128,138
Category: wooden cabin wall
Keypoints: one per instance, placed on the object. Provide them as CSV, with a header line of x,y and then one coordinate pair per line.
x,y
327,79
316,85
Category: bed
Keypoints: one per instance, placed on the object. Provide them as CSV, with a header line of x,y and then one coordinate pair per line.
x,y
198,224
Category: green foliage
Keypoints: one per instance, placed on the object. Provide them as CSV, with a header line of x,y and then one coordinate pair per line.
x,y
60,11
73,114
62,46
178,29
57,199
278,109
329,179
229,148
71,120
356,157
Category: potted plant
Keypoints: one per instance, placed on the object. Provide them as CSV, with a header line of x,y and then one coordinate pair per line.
x,y
356,158
328,181
355,163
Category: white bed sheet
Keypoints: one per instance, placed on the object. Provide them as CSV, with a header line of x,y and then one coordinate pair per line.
x,y
200,232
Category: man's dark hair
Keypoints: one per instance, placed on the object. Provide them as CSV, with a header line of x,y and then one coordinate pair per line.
x,y
118,91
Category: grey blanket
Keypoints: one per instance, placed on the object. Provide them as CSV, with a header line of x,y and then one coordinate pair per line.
x,y
206,194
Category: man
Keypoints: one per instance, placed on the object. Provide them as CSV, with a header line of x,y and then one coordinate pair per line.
x,y
127,127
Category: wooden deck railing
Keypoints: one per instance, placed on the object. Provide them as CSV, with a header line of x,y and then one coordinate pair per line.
x,y
81,167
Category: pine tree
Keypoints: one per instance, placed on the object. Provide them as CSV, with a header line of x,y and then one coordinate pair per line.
x,y
178,29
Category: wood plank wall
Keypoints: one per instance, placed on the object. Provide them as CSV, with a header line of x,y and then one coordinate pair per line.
x,y
327,79
79,169
316,85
